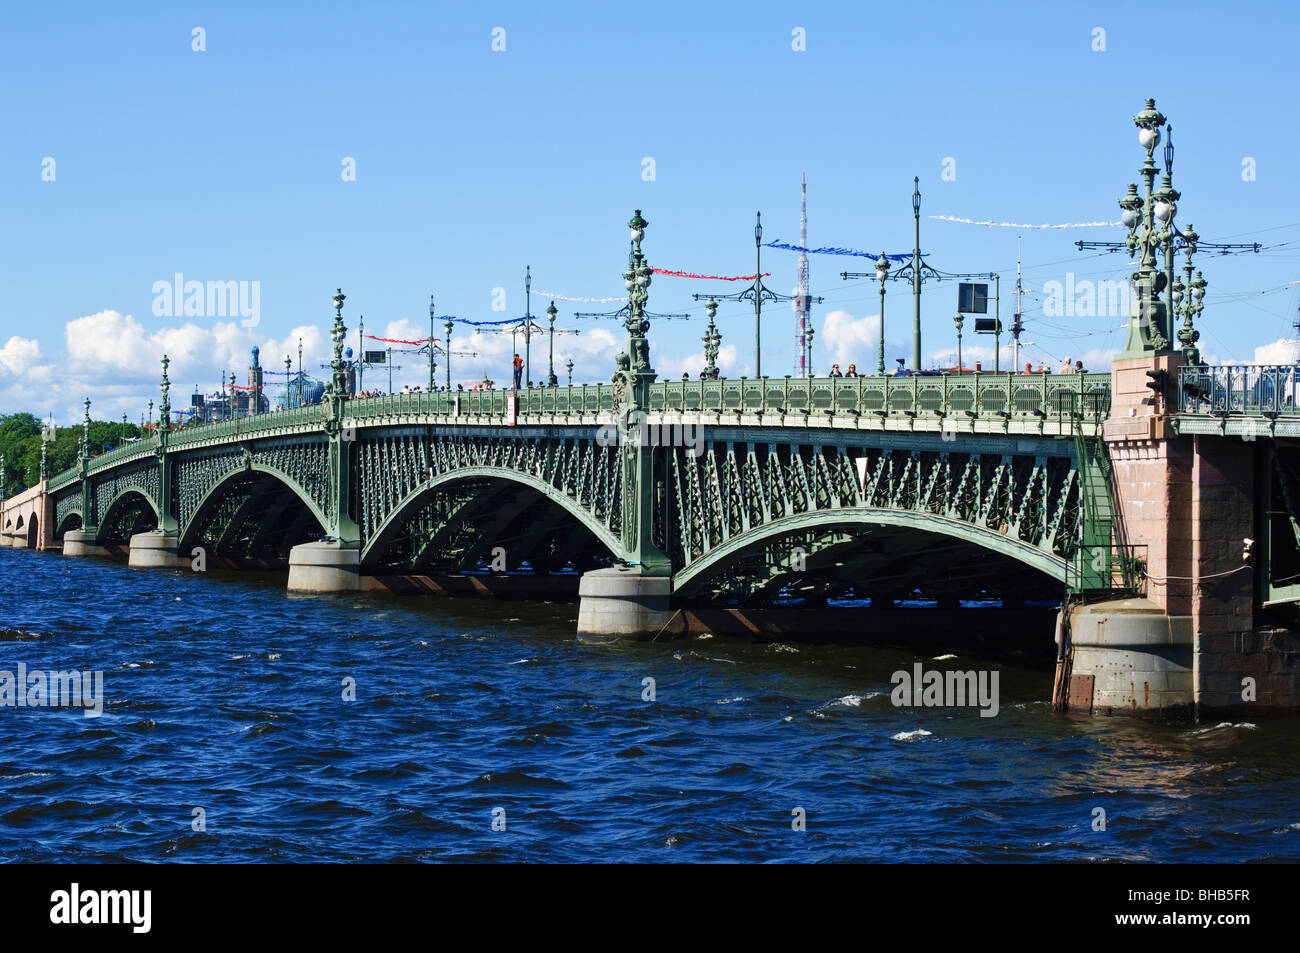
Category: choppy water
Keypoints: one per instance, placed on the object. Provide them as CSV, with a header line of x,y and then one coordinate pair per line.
x,y
225,693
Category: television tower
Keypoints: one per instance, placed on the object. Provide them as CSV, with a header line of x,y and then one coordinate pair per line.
x,y
802,368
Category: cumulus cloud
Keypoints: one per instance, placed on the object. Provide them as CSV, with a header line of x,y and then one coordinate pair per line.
x,y
114,360
1281,351
846,340
19,354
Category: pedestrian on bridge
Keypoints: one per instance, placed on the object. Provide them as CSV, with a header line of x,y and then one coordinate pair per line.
x,y
519,371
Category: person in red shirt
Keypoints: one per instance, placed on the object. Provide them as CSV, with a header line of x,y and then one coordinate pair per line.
x,y
519,371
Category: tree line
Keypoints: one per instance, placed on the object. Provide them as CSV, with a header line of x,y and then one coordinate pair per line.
x,y
20,444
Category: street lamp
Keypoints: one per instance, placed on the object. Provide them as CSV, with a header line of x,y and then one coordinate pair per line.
x,y
916,273
810,348
288,368
550,373
447,357
882,274
958,322
1150,225
569,365
432,365
528,321
1188,297
711,341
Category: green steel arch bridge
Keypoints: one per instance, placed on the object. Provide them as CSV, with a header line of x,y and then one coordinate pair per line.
x,y
727,488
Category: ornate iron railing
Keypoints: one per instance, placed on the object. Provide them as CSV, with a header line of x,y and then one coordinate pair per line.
x,y
1246,390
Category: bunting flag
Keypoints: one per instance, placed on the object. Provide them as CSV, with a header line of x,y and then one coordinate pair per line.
x,y
832,250
551,294
687,274
400,341
990,224
488,324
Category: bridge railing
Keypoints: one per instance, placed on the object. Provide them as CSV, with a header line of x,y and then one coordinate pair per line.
x,y
1253,390
1038,395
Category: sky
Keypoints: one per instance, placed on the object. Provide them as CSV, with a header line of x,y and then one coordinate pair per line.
x,y
402,150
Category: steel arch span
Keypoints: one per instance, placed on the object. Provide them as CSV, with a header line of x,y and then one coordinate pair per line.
x,y
413,502
848,519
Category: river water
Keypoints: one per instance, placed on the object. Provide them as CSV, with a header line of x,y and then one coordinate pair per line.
x,y
224,693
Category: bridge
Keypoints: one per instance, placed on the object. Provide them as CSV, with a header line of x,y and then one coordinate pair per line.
x,y
714,488
1160,502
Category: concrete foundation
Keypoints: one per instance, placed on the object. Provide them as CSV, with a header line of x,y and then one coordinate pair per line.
x,y
153,551
1130,657
324,567
80,542
621,603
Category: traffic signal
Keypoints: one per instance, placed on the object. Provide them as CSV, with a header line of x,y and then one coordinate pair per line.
x,y
1159,382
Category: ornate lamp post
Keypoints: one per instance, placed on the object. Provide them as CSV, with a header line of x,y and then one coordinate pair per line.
x,y
123,438
44,468
288,373
711,341
569,365
550,372
634,363
447,327
1188,295
164,408
958,322
232,394
151,414
339,376
810,348
882,274
1149,221
528,323
916,273
432,365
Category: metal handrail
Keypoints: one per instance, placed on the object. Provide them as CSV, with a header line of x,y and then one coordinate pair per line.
x,y
1240,390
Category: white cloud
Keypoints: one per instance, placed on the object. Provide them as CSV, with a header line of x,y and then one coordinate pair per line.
x,y
115,361
847,340
19,355
1281,351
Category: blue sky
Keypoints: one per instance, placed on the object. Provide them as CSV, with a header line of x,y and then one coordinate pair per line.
x,y
225,165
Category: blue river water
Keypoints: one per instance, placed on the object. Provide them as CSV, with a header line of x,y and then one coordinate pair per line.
x,y
224,693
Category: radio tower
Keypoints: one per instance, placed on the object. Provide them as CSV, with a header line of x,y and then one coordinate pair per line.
x,y
801,299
